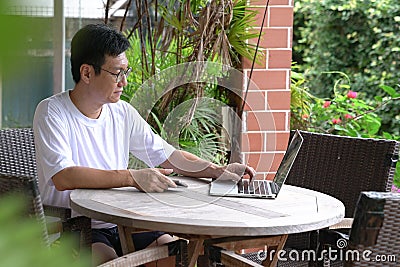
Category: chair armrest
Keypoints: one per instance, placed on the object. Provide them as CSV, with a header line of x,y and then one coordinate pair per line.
x,y
53,225
346,223
54,211
176,248
230,258
80,224
330,236
217,255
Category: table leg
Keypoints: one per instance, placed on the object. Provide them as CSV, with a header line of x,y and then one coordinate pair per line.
x,y
195,247
125,236
273,261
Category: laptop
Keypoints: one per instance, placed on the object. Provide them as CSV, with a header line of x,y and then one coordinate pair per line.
x,y
260,188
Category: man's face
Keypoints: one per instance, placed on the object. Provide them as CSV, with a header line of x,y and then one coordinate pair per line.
x,y
105,85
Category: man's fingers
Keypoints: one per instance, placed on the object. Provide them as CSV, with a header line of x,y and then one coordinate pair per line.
x,y
158,189
241,169
251,172
167,182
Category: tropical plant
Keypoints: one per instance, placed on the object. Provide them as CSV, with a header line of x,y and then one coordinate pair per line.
x,y
203,128
202,136
190,31
171,33
300,100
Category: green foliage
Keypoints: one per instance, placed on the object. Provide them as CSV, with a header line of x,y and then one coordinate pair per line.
x,y
202,136
142,70
16,39
347,113
21,240
359,38
300,100
182,35
239,32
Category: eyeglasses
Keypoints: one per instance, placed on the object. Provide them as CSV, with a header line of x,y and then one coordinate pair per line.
x,y
120,75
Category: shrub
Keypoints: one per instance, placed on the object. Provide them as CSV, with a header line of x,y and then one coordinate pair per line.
x,y
347,113
359,38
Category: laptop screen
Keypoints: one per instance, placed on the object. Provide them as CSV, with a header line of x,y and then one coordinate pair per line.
x,y
260,188
288,160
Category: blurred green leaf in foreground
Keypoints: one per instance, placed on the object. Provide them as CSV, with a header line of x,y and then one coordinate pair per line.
x,y
21,240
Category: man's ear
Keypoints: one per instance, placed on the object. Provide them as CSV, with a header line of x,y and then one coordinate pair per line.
x,y
87,72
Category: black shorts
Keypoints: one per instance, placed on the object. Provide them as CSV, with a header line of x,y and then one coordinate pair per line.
x,y
110,237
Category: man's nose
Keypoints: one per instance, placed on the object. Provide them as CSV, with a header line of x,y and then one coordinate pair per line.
x,y
123,82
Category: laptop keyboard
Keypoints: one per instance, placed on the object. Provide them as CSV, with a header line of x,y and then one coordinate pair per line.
x,y
255,187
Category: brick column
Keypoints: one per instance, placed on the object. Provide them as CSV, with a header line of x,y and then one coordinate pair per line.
x,y
266,124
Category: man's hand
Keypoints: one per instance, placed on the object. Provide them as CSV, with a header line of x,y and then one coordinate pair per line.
x,y
152,180
236,171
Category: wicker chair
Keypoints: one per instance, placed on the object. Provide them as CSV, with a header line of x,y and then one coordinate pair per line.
x,y
18,158
178,248
374,238
342,167
218,256
27,187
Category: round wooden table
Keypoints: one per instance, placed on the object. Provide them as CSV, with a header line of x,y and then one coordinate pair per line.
x,y
193,212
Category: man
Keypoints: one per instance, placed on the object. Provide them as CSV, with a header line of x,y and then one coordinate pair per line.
x,y
84,136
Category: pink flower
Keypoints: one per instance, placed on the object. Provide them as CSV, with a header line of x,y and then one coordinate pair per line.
x,y
305,116
348,116
352,94
326,104
395,189
336,121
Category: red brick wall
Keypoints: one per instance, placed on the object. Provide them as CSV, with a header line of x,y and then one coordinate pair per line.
x,y
266,116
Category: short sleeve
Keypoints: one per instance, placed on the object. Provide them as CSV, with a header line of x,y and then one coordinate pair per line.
x,y
147,145
53,150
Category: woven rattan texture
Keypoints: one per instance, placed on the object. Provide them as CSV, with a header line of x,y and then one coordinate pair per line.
x,y
386,250
342,167
27,186
254,256
18,157
17,152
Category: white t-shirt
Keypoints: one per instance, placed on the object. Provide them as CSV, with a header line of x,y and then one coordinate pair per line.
x,y
64,137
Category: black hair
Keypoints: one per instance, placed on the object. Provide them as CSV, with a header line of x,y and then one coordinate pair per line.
x,y
92,44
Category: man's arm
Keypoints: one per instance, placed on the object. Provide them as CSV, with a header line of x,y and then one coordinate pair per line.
x,y
150,180
187,164
84,177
